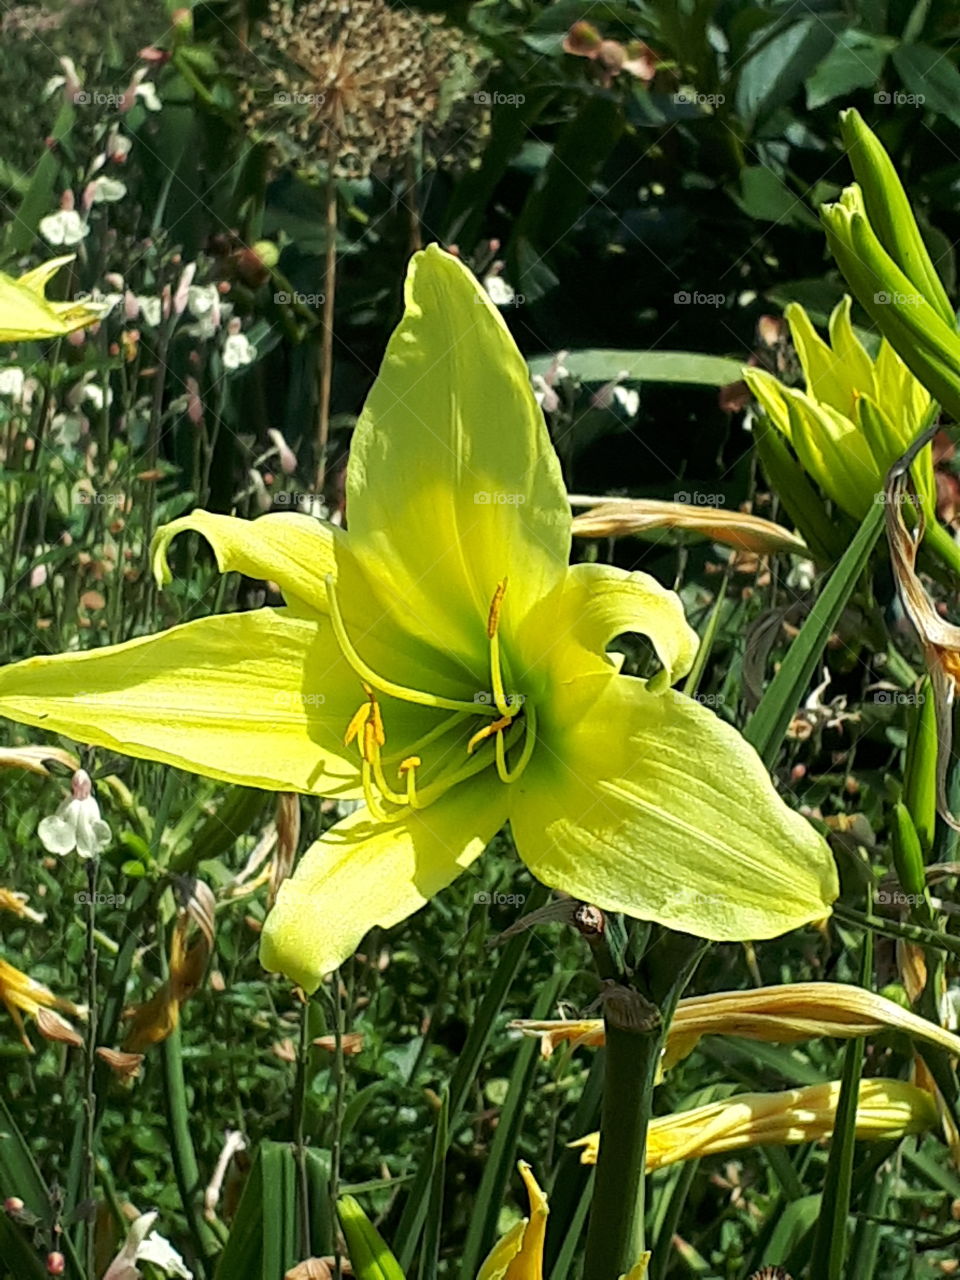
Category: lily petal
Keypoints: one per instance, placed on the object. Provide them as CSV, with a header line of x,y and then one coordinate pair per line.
x,y
363,873
519,1254
600,602
651,805
260,699
295,551
489,502
298,553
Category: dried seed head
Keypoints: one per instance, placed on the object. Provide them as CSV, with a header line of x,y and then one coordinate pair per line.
x,y
355,83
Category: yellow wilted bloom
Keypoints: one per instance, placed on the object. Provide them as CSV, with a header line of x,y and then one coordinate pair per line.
x,y
518,1255
25,312
20,994
856,416
784,1014
17,904
885,1109
618,517
155,1020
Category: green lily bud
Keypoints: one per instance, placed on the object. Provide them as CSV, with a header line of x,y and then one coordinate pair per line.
x,y
856,416
907,854
797,495
920,773
924,341
370,1255
889,212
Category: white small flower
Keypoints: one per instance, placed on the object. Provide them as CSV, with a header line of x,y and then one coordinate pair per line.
x,y
147,93
204,304
11,382
501,295
77,823
950,1008
238,351
93,393
144,1245
544,394
150,310
65,227
628,399
106,190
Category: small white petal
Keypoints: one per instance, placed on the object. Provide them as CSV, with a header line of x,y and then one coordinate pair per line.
x,y
57,835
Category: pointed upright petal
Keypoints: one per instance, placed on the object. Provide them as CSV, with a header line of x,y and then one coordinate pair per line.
x,y
453,408
651,805
364,872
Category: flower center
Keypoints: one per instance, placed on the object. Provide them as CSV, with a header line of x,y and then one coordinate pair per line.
x,y
510,721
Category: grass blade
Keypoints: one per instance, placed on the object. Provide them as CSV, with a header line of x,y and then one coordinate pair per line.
x,y
767,725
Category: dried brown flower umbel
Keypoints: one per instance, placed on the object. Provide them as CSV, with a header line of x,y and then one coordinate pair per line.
x,y
353,83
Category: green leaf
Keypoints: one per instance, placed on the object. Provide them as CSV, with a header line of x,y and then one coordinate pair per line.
x,y
601,365
503,1150
430,1253
766,196
767,725
855,62
929,75
777,66
468,1064
830,1241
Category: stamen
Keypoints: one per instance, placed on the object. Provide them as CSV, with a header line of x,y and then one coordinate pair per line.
x,y
408,769
493,617
500,700
359,719
529,742
402,692
370,795
486,732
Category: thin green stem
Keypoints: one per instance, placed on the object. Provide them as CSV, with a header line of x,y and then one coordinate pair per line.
x,y
87,1188
299,1139
340,1085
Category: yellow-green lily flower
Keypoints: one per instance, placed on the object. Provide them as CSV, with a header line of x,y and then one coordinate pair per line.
x,y
856,416
26,314
885,1109
443,661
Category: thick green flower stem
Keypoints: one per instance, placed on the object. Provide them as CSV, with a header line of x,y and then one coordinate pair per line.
x,y
634,1038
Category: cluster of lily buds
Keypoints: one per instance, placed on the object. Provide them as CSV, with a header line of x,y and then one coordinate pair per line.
x,y
856,416
874,237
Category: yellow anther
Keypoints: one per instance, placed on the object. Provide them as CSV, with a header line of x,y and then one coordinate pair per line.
x,y
376,722
408,769
359,720
488,731
493,617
